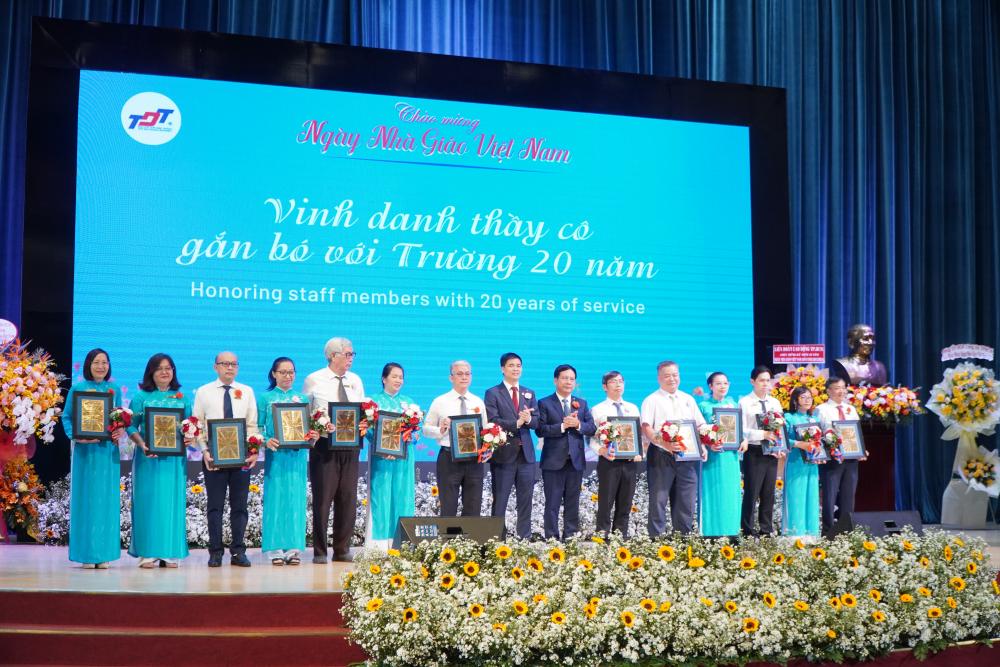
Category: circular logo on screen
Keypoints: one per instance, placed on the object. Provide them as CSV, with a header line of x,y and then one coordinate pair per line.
x,y
8,331
151,118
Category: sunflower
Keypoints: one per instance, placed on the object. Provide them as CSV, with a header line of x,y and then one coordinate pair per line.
x,y
854,563
750,624
623,555
635,562
770,600
374,568
730,606
410,614
540,598
471,568
590,610
947,553
996,587
952,603
799,544
347,580
878,616
255,488
597,539
517,573
958,583
424,572
832,634
748,563
374,604
585,564
520,607
195,488
535,564
978,555
818,553
727,552
448,555
476,610
593,497
434,491
558,618
500,627
648,604
834,602
958,540
503,552
848,600
665,606
869,545
925,561
934,612
971,568
925,592
447,581
635,509
779,559
906,598
397,581
707,601
696,562
628,618
666,553
394,553
594,601
801,605
875,594
557,555
779,484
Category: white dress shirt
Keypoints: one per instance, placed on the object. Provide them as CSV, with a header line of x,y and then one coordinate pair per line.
x,y
750,404
828,413
661,406
450,405
605,409
323,387
208,401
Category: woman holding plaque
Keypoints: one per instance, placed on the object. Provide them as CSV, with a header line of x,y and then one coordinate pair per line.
x,y
94,498
720,474
391,491
284,524
159,483
801,515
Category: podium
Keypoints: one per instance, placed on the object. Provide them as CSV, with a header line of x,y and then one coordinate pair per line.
x,y
877,476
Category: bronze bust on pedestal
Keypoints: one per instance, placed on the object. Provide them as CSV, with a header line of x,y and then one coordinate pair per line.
x,y
858,367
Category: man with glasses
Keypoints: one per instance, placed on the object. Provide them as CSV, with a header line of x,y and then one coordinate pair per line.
x,y
333,471
456,477
226,399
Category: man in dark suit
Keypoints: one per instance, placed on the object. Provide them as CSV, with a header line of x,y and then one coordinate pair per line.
x,y
565,422
515,408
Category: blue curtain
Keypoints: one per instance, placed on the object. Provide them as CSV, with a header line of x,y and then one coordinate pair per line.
x,y
893,122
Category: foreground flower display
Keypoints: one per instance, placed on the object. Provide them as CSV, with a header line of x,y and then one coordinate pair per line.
x,y
29,394
967,401
810,377
685,600
887,405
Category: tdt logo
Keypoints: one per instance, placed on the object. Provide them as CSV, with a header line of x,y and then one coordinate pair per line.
x,y
151,118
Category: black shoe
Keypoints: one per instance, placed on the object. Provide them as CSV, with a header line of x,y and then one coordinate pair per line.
x,y
240,560
343,558
319,560
215,561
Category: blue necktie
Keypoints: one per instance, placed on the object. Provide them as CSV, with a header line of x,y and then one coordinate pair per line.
x,y
618,407
565,403
227,403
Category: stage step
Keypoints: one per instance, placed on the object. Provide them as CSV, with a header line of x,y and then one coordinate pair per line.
x,y
56,628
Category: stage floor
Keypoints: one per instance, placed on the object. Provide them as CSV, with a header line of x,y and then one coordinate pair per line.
x,y
46,568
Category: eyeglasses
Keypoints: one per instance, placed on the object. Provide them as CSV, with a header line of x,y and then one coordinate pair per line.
x,y
284,373
228,364
462,374
349,355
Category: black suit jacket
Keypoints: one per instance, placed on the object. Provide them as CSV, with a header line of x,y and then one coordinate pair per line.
x,y
500,410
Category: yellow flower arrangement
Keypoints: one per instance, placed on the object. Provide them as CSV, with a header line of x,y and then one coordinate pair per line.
x,y
666,553
195,488
750,625
627,618
585,564
558,618
410,614
801,605
648,604
623,555
923,591
374,604
818,553
665,606
503,552
374,568
517,573
731,606
769,600
800,376
28,379
875,594
447,581
471,568
20,490
636,562
727,552
540,598
557,555
500,627
906,598
848,600
869,545
748,563
878,616
535,564
934,612
958,583
397,581
476,610
448,555
520,607
967,396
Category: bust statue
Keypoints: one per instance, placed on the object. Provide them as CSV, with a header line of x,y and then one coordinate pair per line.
x,y
858,367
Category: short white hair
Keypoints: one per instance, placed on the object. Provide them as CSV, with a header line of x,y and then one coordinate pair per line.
x,y
334,346
459,362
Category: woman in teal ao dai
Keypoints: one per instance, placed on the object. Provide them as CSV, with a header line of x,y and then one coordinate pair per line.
x,y
721,496
95,492
800,517
284,522
391,481
159,483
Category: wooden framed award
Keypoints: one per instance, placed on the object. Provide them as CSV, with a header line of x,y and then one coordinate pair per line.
x,y
163,431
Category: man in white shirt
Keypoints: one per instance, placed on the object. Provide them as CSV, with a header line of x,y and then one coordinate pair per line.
x,y
333,471
669,479
760,470
456,477
226,399
838,481
616,478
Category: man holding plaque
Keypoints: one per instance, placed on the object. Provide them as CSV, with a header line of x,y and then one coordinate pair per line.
x,y
513,407
669,479
456,477
565,422
838,480
333,471
616,478
760,466
226,399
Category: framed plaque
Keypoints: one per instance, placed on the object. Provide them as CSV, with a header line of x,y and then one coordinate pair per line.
x,y
227,442
464,436
630,446
291,424
345,418
163,431
853,445
388,438
90,414
769,447
692,443
800,434
730,422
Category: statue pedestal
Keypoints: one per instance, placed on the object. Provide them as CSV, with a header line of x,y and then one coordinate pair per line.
x,y
877,476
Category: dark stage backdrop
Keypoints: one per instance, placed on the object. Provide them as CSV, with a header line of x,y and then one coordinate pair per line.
x,y
893,121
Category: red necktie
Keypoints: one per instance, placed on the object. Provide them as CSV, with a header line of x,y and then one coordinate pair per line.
x,y
513,397
840,411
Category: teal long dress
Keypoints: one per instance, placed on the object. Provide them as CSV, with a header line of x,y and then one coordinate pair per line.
x,y
391,482
284,523
95,492
721,496
159,486
801,507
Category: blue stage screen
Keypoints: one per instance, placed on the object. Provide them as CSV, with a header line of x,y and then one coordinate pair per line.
x,y
214,215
